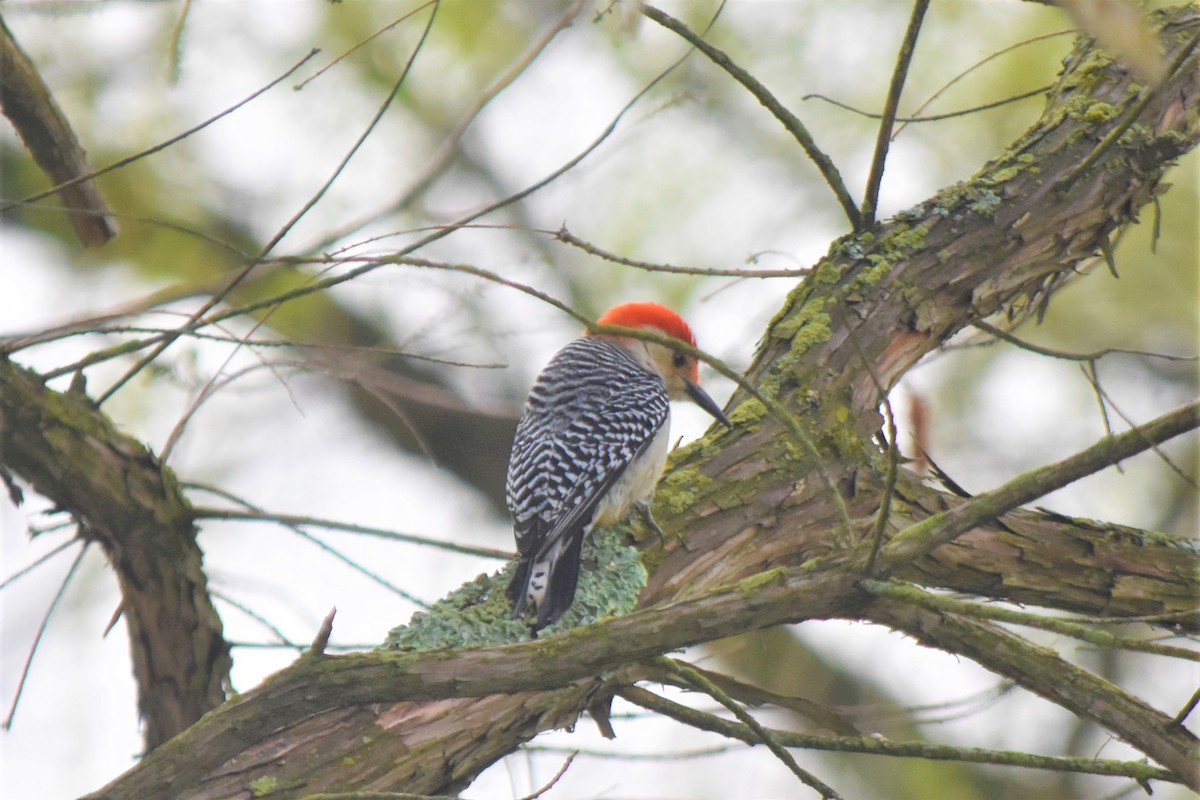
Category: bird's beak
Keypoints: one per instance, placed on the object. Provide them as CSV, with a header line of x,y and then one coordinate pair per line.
x,y
701,398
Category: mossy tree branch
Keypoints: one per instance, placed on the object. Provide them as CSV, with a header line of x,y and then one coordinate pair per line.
x,y
130,504
550,683
1044,672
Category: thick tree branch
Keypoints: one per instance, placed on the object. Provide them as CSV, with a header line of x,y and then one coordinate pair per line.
x,y
131,505
551,685
942,528
1045,559
1042,671
877,304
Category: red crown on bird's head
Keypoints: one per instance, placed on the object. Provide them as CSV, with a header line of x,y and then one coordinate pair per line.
x,y
649,315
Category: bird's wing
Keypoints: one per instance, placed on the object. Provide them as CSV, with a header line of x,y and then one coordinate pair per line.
x,y
575,440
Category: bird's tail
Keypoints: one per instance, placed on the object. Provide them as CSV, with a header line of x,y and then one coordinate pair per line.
x,y
547,583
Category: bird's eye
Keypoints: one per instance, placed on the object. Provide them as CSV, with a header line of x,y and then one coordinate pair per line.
x,y
679,360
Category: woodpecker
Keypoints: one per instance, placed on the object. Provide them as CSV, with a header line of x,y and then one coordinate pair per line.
x,y
590,447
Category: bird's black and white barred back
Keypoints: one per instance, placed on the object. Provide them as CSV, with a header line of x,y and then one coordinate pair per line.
x,y
592,412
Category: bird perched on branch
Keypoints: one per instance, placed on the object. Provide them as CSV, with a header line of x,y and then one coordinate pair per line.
x,y
591,445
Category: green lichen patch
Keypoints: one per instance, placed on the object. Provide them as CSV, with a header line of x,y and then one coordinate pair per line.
x,y
903,240
752,587
263,786
749,412
983,201
678,489
478,613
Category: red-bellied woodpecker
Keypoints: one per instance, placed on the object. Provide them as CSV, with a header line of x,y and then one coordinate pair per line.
x,y
590,447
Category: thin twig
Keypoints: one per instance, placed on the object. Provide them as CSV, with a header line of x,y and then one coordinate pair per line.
x,y
677,755
42,559
1095,355
889,486
962,112
1107,401
333,551
997,54
565,236
893,448
321,640
33,198
945,526
219,296
557,777
300,86
254,615
790,121
450,141
881,746
871,198
703,684
1187,709
41,630
201,512
219,381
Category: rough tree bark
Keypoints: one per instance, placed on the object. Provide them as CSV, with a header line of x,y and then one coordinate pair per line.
x,y
125,500
770,522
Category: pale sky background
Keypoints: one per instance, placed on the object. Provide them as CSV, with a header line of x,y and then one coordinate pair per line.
x,y
672,184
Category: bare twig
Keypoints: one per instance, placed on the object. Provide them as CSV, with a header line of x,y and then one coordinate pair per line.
x,y
962,112
33,198
789,120
202,512
880,746
321,640
254,615
450,142
42,559
333,551
299,86
1094,355
1187,709
565,236
557,777
1045,673
997,54
216,298
879,528
41,630
703,684
883,140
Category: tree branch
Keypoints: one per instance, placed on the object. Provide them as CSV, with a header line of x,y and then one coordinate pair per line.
x,y
1043,672
789,120
1138,770
942,528
131,505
